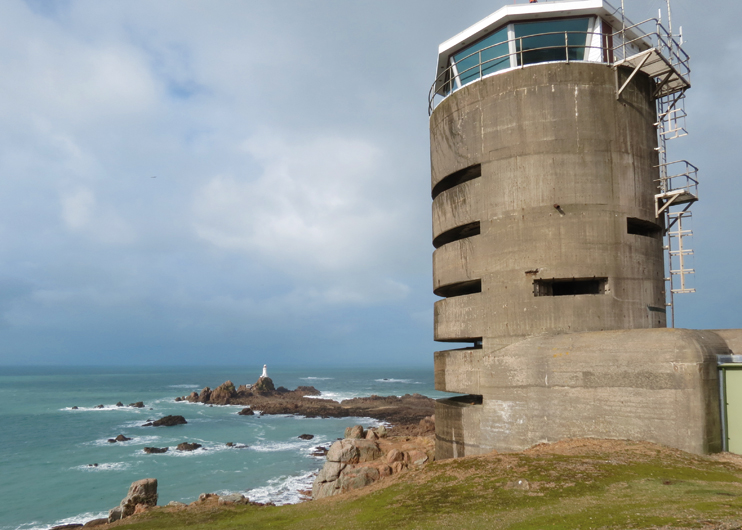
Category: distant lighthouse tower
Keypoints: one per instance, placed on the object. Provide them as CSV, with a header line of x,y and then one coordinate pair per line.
x,y
265,371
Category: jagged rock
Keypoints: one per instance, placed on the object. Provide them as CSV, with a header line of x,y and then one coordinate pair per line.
x,y
371,435
415,457
229,444
307,391
66,526
264,385
247,411
192,397
185,446
141,492
119,404
306,436
282,390
355,432
234,498
357,477
122,438
167,421
394,456
115,514
74,408
330,471
99,407
320,451
353,451
178,399
137,405
380,431
155,450
205,395
222,394
111,440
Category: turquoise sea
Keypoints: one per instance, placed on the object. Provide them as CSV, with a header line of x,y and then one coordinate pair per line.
x,y
47,448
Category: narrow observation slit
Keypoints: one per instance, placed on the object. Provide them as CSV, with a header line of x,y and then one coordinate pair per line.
x,y
459,177
569,286
640,227
457,233
470,399
459,289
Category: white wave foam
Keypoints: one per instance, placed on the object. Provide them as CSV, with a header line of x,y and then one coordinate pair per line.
x,y
184,386
304,446
408,381
135,440
283,490
316,378
97,409
337,396
110,466
76,519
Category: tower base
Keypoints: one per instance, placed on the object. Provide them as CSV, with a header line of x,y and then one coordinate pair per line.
x,y
657,385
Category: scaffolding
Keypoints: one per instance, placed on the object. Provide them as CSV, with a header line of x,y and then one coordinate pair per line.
x,y
668,64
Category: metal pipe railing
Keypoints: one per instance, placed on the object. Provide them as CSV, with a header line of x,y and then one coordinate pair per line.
x,y
659,38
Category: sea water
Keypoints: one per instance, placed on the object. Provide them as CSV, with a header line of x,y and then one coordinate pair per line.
x,y
48,450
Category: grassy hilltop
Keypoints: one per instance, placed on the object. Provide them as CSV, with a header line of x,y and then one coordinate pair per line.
x,y
576,484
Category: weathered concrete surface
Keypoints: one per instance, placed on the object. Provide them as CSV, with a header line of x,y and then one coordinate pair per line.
x,y
658,385
546,135
733,338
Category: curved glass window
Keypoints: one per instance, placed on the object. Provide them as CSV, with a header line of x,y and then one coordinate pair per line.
x,y
544,41
491,53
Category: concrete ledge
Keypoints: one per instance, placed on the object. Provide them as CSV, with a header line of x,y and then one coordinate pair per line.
x,y
658,385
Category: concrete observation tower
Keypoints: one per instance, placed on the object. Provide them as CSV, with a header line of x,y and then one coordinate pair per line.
x,y
553,206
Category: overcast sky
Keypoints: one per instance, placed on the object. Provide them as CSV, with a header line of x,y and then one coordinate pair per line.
x,y
212,182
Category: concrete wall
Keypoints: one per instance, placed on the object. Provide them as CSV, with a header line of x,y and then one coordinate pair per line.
x,y
659,385
544,135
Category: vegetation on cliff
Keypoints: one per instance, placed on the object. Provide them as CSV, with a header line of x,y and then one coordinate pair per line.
x,y
569,485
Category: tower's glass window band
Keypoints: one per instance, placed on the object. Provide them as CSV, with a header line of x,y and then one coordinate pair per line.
x,y
529,42
492,52
545,41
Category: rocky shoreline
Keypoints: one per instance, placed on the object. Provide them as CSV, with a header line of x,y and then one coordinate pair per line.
x,y
404,413
362,457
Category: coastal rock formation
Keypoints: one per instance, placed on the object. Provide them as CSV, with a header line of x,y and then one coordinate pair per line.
x,y
368,456
306,436
119,404
403,412
155,450
122,438
137,405
166,421
222,394
264,385
141,493
185,446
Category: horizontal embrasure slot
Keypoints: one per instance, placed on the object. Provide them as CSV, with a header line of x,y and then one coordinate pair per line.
x,y
455,234
569,286
640,227
476,346
459,289
454,179
470,399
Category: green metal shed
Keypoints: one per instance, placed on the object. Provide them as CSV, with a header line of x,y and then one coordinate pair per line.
x,y
731,387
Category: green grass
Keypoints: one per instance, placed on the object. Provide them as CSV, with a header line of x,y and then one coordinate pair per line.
x,y
618,489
